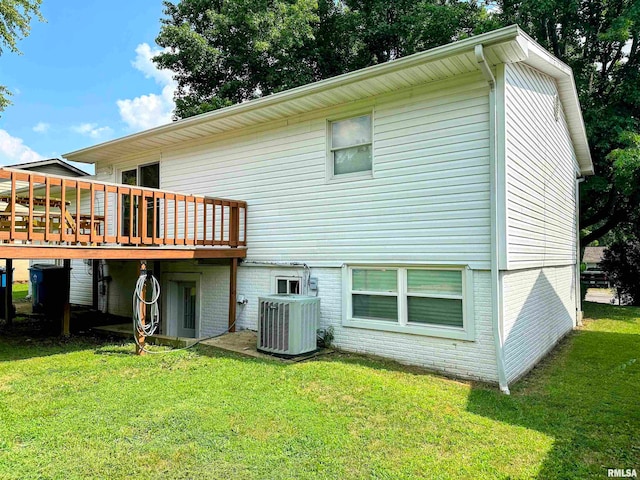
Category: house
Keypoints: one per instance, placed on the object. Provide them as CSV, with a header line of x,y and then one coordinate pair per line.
x,y
430,202
593,256
53,166
58,167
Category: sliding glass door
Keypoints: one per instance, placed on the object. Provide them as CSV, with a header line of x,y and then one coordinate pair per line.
x,y
142,176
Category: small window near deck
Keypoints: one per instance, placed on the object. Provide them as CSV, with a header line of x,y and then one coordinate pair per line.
x,y
286,285
130,177
350,142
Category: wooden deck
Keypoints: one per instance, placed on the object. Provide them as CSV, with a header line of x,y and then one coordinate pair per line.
x,y
48,216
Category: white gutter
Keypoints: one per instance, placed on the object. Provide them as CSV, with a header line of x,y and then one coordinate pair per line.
x,y
496,292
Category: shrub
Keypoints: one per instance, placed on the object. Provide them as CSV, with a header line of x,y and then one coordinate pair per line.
x,y
583,291
621,263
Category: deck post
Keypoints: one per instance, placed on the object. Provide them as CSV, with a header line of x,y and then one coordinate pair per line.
x,y
66,309
233,277
140,344
156,273
8,292
95,273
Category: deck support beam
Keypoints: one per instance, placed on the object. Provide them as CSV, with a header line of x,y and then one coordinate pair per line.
x,y
233,279
66,308
95,274
116,252
8,295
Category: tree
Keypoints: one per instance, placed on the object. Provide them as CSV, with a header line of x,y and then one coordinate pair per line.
x,y
600,41
621,262
15,17
225,52
385,30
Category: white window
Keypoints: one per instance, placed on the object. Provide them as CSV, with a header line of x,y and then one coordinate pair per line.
x,y
418,300
350,146
290,285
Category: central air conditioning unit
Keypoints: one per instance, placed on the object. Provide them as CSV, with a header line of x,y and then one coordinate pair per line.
x,y
287,324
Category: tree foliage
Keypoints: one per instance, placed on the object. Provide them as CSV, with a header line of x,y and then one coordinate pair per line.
x,y
15,18
225,52
621,262
600,41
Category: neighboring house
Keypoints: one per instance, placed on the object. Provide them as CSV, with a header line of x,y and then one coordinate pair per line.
x,y
81,270
53,166
593,256
433,200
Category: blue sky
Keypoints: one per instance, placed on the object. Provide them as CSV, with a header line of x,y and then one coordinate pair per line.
x,y
84,76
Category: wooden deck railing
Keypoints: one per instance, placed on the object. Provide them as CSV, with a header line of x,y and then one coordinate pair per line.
x,y
45,208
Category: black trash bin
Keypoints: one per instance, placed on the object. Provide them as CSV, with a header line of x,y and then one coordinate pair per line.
x,y
3,282
3,289
48,283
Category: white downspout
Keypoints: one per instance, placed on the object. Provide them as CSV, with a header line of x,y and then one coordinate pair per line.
x,y
496,293
578,293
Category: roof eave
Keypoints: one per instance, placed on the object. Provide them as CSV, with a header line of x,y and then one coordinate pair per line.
x,y
48,161
542,60
524,49
497,36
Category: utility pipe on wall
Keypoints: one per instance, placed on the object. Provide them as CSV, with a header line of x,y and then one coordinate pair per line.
x,y
496,293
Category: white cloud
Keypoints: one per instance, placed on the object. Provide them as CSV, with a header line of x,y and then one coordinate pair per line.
x,y
92,130
13,150
144,63
41,127
151,110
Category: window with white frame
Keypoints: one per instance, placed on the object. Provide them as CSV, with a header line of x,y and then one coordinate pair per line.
x,y
429,301
350,145
289,285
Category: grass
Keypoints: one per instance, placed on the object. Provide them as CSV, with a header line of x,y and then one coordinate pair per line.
x,y
81,409
20,291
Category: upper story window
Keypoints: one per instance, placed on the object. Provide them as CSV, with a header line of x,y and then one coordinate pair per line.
x,y
350,145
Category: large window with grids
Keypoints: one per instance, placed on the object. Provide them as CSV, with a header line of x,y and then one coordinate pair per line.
x,y
418,300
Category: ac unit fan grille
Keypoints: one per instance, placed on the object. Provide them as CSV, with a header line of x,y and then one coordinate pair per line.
x,y
274,332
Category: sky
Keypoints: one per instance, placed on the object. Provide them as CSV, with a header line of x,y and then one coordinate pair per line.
x,y
84,77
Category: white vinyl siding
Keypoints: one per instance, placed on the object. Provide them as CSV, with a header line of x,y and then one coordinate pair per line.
x,y
81,292
539,309
429,201
540,173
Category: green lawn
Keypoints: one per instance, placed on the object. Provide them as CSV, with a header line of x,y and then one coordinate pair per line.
x,y
80,409
20,291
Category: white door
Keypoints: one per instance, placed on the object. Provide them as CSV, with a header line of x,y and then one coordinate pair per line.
x,y
186,309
